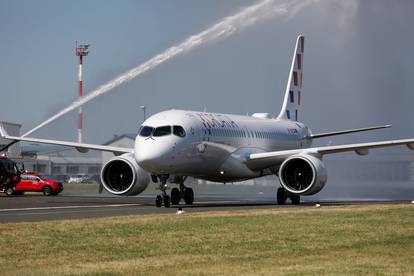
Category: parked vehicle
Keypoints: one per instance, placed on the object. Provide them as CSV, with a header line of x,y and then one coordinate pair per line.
x,y
78,178
61,177
32,182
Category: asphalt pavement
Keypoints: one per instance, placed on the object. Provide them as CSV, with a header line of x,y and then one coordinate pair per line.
x,y
35,207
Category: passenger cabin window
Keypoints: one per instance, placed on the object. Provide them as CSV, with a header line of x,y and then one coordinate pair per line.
x,y
179,131
162,131
146,131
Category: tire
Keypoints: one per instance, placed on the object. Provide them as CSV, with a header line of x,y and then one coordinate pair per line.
x,y
295,199
189,196
281,196
167,201
158,201
47,191
175,196
9,191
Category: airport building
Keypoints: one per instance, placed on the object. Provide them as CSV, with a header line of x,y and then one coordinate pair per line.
x,y
61,162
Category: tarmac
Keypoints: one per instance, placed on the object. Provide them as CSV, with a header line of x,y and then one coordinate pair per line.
x,y
35,207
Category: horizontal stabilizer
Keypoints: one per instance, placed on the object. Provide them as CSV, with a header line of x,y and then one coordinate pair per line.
x,y
326,134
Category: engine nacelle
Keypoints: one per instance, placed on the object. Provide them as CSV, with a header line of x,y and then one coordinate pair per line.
x,y
303,174
122,176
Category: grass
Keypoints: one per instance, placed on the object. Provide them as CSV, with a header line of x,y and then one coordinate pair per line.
x,y
364,240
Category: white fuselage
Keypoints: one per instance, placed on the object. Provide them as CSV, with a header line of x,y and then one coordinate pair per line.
x,y
215,146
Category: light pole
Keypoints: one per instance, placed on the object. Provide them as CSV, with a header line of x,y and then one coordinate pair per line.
x,y
144,108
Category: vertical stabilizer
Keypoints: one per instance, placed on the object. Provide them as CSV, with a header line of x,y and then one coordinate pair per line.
x,y
292,101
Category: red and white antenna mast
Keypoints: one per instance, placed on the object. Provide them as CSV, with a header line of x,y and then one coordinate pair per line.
x,y
81,51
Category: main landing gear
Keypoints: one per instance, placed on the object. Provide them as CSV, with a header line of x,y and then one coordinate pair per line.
x,y
177,194
282,195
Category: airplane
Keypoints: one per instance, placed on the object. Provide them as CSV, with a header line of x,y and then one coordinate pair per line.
x,y
175,144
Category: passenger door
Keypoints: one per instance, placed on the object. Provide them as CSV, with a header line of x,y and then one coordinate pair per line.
x,y
36,184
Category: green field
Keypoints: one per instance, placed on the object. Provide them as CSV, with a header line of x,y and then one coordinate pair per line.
x,y
341,240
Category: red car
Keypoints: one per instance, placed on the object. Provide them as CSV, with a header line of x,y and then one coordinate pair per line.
x,y
31,182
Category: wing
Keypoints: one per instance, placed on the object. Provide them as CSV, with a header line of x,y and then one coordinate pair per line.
x,y
326,134
79,146
275,158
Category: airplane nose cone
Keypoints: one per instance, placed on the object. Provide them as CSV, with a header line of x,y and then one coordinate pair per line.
x,y
146,156
152,155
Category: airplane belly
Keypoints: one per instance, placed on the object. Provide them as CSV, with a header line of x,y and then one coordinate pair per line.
x,y
232,167
199,159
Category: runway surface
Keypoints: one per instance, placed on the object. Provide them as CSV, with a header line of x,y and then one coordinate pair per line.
x,y
40,208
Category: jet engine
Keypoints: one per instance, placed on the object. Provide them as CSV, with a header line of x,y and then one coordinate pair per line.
x,y
303,174
122,176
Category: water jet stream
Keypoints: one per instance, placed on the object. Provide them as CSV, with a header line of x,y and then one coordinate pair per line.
x,y
227,26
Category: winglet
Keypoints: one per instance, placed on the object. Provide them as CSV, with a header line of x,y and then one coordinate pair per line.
x,y
3,132
5,135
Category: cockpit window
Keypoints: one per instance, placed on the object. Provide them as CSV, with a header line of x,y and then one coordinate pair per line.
x,y
146,131
179,131
162,131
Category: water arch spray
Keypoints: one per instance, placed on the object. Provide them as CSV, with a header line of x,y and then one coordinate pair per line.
x,y
227,26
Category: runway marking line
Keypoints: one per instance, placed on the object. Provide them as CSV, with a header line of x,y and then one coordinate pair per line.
x,y
57,212
70,207
218,202
98,206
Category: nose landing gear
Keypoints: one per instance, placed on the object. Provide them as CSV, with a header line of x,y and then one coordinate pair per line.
x,y
177,194
158,201
185,193
182,192
164,197
188,196
283,195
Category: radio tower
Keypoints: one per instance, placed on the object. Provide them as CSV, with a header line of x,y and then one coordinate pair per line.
x,y
81,51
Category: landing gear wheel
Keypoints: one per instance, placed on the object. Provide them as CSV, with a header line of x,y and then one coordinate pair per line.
x,y
295,199
158,201
47,191
9,191
188,196
281,196
175,196
167,201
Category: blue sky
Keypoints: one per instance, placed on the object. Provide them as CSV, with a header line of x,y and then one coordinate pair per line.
x,y
39,66
358,64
